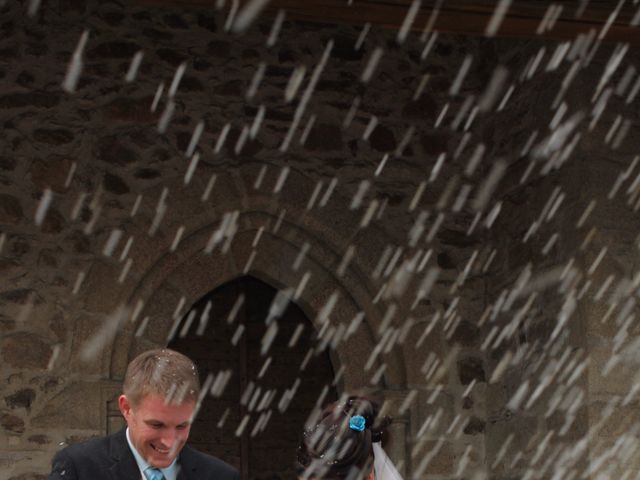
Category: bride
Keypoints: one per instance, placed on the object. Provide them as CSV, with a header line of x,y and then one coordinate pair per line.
x,y
345,443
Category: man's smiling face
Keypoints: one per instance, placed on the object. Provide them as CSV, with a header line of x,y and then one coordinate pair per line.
x,y
158,430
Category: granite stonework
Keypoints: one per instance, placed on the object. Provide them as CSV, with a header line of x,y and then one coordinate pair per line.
x,y
128,232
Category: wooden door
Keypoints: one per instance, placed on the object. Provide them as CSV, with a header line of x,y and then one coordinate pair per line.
x,y
240,425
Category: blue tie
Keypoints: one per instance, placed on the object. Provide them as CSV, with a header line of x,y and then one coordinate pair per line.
x,y
154,474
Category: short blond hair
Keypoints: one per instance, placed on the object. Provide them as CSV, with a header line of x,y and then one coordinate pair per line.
x,y
163,372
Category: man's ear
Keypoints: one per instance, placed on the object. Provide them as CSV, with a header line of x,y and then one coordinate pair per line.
x,y
372,475
125,406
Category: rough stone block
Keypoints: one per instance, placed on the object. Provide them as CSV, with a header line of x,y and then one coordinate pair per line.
x,y
617,379
51,172
39,439
31,99
134,110
471,368
25,350
442,463
21,399
29,476
53,136
77,406
10,209
12,423
97,298
430,405
466,334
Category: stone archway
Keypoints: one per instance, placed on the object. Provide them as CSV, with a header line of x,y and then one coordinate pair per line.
x,y
191,274
167,279
255,420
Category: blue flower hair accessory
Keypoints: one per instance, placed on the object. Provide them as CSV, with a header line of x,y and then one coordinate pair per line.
x,y
357,423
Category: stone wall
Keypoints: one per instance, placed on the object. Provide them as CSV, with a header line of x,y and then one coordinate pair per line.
x,y
127,237
573,239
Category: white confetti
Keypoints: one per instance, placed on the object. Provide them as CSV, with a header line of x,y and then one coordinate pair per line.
x,y
74,69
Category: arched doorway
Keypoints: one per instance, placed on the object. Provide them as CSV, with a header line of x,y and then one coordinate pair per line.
x,y
260,401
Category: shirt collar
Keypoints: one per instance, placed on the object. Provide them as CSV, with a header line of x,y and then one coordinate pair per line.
x,y
170,473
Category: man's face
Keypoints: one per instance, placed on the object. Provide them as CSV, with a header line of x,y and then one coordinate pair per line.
x,y
157,429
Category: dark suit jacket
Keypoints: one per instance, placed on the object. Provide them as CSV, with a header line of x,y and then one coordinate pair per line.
x,y
110,458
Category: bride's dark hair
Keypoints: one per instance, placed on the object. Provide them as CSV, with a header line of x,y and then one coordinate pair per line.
x,y
331,449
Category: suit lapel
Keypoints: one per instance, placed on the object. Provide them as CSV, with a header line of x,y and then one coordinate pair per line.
x,y
182,475
186,467
124,465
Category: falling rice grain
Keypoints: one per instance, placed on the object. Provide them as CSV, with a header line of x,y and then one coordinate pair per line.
x,y
134,66
34,5
301,286
268,338
165,118
442,114
281,179
306,96
381,165
295,80
275,28
279,221
249,263
421,86
105,334
242,139
344,263
408,21
112,242
296,336
209,187
43,206
74,69
586,213
257,122
417,196
78,283
519,396
328,192
493,89
362,36
429,45
157,97
351,113
192,168
256,80
307,129
245,17
368,215
125,270
70,174
177,238
489,185
222,137
370,68
460,76
195,138
436,168
497,17
301,256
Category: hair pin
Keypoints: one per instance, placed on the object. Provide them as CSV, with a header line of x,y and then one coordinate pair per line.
x,y
357,423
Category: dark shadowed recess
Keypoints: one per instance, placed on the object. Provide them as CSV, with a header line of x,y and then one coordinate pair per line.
x,y
269,453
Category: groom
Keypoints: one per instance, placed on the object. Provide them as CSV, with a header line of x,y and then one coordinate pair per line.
x,y
158,402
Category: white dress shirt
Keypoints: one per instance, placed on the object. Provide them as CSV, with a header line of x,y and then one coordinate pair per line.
x,y
170,473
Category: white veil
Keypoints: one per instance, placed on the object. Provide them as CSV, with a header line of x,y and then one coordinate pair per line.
x,y
382,465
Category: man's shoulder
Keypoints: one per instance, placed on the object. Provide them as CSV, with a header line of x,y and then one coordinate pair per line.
x,y
82,460
93,444
91,448
201,461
